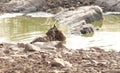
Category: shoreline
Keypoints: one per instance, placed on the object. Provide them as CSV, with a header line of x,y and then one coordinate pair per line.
x,y
42,14
56,58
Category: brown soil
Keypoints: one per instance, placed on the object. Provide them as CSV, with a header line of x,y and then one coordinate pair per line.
x,y
51,6
95,60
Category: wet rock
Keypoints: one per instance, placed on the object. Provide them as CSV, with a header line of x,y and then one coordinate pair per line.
x,y
82,28
87,29
31,48
87,13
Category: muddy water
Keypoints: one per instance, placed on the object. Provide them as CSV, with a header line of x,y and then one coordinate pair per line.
x,y
26,28
19,27
23,27
108,37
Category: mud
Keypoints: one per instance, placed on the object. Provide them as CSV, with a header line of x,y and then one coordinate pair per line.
x,y
54,6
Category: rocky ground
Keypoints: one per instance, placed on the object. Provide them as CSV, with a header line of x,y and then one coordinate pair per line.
x,y
80,19
53,57
53,6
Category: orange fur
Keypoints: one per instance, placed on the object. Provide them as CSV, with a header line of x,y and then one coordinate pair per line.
x,y
54,34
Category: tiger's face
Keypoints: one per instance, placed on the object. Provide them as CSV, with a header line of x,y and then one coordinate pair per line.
x,y
54,34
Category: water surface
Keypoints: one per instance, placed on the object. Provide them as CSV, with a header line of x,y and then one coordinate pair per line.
x,y
26,28
107,37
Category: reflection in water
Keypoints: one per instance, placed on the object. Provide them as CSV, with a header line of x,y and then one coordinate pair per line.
x,y
23,28
107,37
105,40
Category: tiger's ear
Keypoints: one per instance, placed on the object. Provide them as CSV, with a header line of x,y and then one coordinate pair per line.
x,y
54,26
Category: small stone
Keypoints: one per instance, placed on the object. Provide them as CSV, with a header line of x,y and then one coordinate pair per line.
x,y
14,48
59,45
60,63
21,45
57,71
72,8
31,47
67,64
6,51
1,45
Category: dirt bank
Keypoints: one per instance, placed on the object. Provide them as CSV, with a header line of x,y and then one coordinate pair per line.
x,y
39,58
53,6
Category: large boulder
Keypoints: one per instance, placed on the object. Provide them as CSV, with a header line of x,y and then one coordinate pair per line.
x,y
79,18
57,62
87,13
82,28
